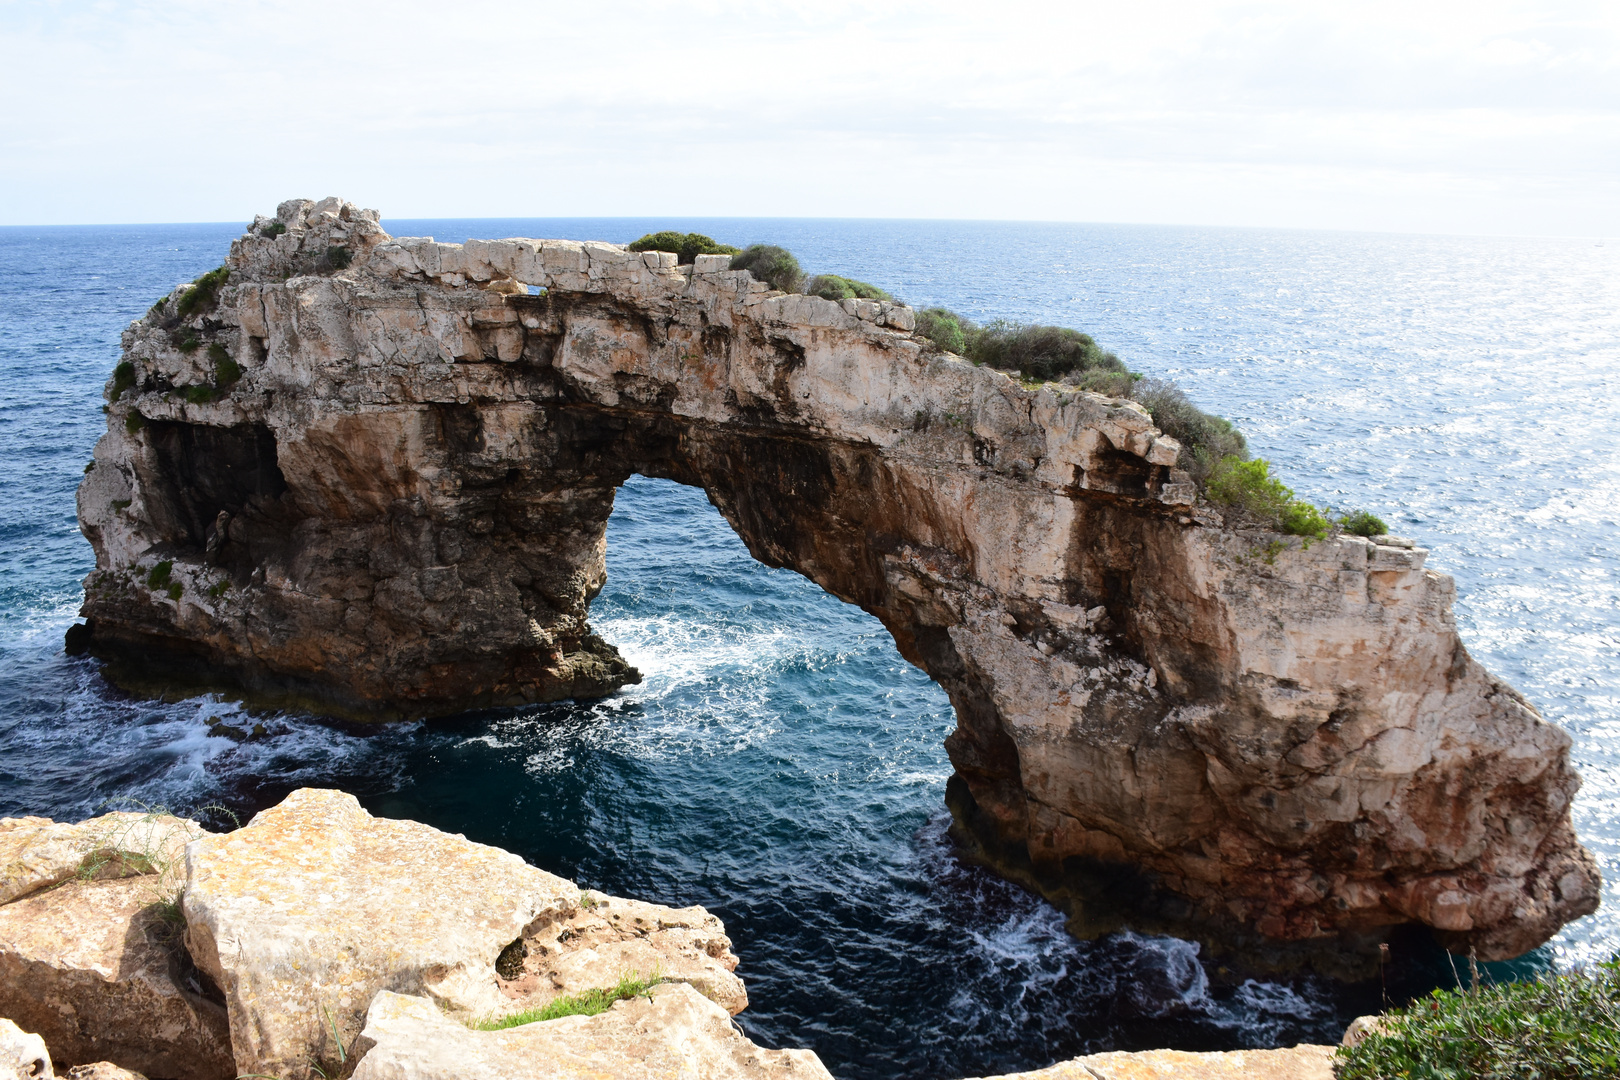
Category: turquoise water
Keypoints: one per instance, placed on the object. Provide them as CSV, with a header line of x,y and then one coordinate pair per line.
x,y
780,764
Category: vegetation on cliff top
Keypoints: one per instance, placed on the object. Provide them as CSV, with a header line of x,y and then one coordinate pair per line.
x,y
686,246
1559,1027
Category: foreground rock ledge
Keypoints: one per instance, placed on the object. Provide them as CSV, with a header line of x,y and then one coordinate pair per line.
x,y
399,509
340,944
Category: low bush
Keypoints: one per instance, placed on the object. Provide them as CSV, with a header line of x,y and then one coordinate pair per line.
x,y
204,292
134,421
773,265
190,344
1363,523
272,230
123,378
686,246
159,577
586,1003
1037,352
1204,437
1249,487
1559,1027
198,395
337,258
945,328
833,287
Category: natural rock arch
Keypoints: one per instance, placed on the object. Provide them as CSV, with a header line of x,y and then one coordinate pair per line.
x,y
400,509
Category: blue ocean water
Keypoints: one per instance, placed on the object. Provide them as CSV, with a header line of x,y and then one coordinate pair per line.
x,y
781,764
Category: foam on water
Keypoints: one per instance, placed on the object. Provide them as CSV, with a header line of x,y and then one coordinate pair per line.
x,y
780,763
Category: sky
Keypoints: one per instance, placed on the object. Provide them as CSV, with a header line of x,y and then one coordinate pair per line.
x,y
1415,116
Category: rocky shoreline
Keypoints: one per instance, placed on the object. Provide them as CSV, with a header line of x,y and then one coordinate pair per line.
x,y
321,941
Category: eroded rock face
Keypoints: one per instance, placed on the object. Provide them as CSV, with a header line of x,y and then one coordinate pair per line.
x,y
670,1031
399,508
91,959
305,914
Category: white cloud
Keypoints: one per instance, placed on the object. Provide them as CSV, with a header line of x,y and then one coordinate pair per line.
x,y
1486,117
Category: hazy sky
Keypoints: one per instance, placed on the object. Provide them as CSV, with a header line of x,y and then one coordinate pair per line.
x,y
1410,116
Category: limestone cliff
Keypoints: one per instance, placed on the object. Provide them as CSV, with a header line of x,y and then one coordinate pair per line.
x,y
373,475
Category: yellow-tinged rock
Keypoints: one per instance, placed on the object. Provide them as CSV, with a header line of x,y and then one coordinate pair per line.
x,y
91,966
305,914
1296,1063
671,1031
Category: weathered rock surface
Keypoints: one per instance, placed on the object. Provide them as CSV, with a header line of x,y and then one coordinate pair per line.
x,y
90,957
672,1031
1295,1063
399,508
305,914
22,1054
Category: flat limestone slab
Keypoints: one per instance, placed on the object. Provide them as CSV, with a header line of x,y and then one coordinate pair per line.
x,y
36,852
305,914
96,970
1304,1062
673,1031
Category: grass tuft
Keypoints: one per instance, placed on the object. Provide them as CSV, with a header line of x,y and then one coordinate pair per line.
x,y
134,421
159,577
585,1003
272,230
1558,1027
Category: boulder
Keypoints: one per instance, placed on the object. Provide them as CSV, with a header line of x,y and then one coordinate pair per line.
x,y
1296,1063
98,969
305,914
671,1031
22,1054
36,852
90,945
102,1070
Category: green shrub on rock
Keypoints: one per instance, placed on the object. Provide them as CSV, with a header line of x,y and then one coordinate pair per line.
x,y
1038,352
945,329
1204,437
1363,523
685,246
123,378
1248,486
204,292
773,265
833,287
1559,1027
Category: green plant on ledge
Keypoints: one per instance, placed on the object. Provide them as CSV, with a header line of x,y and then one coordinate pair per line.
x,y
833,287
685,246
773,265
585,1003
226,370
203,292
272,230
159,577
1248,486
1558,1027
1363,523
123,378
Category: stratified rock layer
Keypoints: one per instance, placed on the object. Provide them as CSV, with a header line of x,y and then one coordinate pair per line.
x,y
399,508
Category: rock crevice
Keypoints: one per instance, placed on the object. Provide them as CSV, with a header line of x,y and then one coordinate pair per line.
x,y
392,500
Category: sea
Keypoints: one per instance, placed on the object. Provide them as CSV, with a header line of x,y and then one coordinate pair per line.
x,y
781,764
